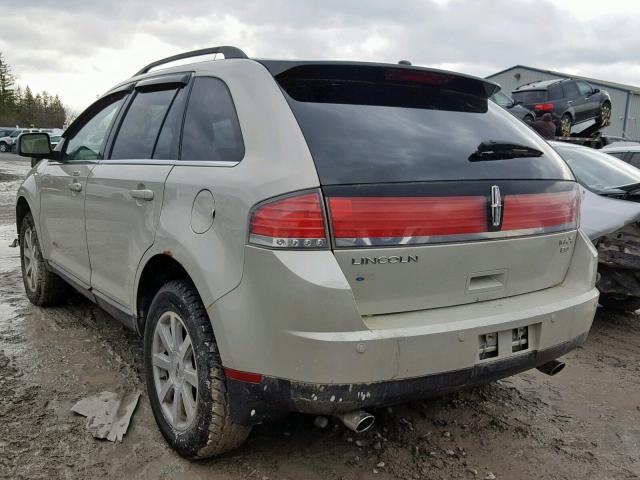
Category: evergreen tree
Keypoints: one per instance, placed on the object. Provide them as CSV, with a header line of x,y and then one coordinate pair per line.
x,y
23,108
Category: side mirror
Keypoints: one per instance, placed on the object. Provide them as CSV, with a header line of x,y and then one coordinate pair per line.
x,y
34,145
595,90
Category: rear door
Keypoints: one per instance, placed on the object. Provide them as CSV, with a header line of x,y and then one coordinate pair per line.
x,y
575,100
591,106
125,190
418,218
62,186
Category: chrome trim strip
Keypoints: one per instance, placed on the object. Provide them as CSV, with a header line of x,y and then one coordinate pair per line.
x,y
403,241
289,243
180,163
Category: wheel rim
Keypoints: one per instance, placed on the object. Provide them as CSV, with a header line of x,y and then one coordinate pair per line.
x,y
30,259
175,372
605,113
3,148
565,126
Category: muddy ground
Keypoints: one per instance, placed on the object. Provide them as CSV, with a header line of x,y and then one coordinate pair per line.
x,y
583,423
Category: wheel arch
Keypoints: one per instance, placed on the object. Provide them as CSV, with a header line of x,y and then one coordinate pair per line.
x,y
156,271
22,209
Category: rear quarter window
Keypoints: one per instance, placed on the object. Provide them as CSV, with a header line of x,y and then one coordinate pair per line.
x,y
211,128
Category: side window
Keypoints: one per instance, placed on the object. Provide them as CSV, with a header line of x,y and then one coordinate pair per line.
x,y
570,89
169,138
619,155
585,88
86,143
635,159
211,127
555,92
139,130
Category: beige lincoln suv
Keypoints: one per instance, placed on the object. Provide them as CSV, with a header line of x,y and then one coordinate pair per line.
x,y
308,236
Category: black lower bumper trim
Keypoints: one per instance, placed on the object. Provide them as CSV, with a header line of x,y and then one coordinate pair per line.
x,y
275,397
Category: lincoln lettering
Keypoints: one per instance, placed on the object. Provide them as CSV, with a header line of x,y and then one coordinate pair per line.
x,y
382,260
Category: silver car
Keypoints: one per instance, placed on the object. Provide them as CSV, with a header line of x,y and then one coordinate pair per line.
x,y
305,236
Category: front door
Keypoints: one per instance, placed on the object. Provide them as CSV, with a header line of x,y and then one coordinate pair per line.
x,y
63,188
125,191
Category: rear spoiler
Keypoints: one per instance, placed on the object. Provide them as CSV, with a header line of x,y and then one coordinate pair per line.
x,y
382,71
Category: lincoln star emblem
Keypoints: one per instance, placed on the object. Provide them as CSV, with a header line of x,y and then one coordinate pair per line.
x,y
496,206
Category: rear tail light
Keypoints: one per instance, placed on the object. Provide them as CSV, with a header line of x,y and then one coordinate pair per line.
x,y
295,221
542,212
405,220
543,107
387,221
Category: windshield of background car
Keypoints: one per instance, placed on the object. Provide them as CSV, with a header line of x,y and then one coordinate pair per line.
x,y
598,171
530,96
383,124
16,133
502,99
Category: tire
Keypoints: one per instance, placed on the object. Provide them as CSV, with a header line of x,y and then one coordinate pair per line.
x,y
564,125
177,310
4,148
44,288
604,116
621,303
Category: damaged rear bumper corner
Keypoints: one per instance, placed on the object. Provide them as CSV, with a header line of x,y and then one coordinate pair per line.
x,y
272,398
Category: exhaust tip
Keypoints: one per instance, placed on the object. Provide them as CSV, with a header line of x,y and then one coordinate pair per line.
x,y
552,368
357,421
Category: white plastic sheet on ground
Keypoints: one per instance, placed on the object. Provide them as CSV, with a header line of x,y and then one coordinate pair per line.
x,y
108,414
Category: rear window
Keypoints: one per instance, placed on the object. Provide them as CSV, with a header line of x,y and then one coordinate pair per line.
x,y
374,125
531,96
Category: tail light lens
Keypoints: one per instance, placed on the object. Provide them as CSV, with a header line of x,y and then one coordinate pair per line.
x,y
405,220
387,221
542,212
295,221
543,107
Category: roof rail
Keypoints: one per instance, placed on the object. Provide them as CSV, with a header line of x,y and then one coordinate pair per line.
x,y
228,52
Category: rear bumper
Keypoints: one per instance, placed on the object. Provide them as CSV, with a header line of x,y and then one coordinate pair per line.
x,y
253,403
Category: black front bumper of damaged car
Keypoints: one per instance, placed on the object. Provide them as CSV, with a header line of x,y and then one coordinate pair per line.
x,y
273,398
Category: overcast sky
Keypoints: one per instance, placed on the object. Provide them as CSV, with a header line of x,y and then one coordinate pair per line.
x,y
80,48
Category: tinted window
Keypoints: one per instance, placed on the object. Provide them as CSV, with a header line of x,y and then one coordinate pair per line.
x,y
85,144
584,88
502,99
141,125
169,138
555,92
368,132
570,90
598,171
211,127
531,96
635,159
619,155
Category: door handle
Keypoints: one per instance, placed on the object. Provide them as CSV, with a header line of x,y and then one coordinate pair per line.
x,y
569,102
75,187
142,194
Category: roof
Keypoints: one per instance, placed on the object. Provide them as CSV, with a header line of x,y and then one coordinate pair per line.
x,y
627,147
539,84
619,86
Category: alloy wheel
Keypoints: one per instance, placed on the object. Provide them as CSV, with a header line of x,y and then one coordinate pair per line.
x,y
3,147
30,259
175,371
565,126
605,113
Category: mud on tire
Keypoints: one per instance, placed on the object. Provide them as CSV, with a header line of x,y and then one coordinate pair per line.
x,y
211,431
43,287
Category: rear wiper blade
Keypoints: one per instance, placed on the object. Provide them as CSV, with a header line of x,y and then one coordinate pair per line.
x,y
494,150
